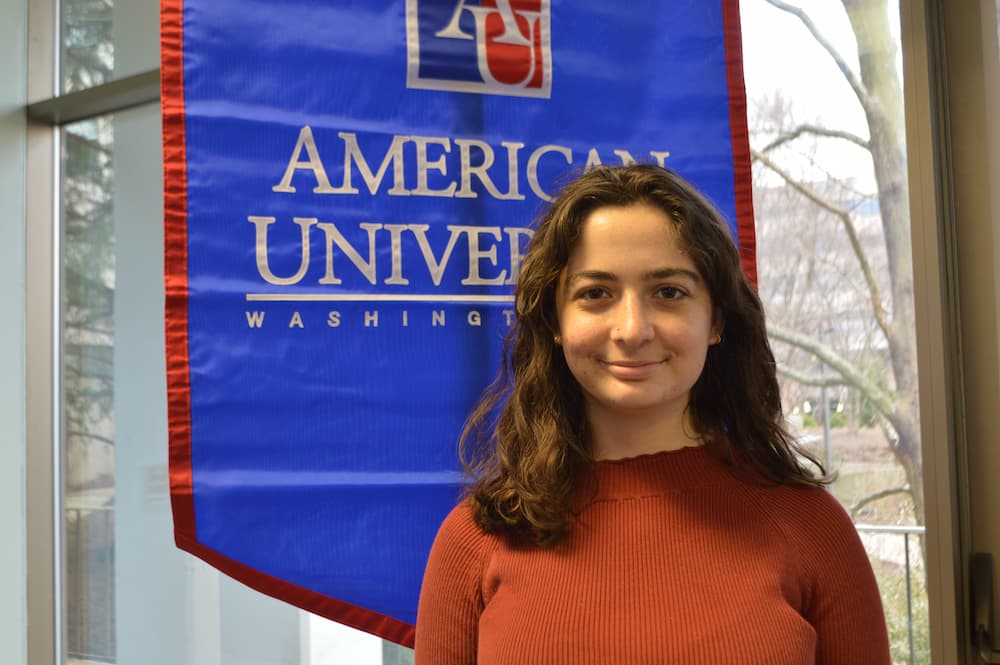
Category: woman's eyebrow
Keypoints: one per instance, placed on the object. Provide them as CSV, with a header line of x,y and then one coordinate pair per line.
x,y
596,275
666,273
659,273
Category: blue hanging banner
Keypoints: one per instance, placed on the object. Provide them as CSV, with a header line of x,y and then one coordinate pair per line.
x,y
349,190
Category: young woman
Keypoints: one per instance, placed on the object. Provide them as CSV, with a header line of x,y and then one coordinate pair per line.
x,y
638,500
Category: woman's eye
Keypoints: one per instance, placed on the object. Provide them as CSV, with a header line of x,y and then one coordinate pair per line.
x,y
671,292
593,293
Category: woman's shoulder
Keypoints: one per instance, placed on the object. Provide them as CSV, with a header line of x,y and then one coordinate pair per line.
x,y
794,494
813,522
460,535
802,506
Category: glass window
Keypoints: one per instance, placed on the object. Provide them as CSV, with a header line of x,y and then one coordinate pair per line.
x,y
129,594
835,269
104,40
88,277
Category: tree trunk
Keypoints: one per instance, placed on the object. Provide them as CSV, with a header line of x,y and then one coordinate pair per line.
x,y
884,112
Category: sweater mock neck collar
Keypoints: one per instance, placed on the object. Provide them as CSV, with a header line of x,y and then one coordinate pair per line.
x,y
654,474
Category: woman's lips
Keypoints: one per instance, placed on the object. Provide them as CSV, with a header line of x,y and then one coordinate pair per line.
x,y
632,370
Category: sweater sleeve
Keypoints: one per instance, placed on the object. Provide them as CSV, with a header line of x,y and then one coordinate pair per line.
x,y
451,595
842,600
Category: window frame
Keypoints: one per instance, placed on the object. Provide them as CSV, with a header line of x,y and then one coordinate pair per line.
x,y
47,112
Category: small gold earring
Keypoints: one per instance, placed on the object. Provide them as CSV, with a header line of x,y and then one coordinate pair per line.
x,y
557,339
717,339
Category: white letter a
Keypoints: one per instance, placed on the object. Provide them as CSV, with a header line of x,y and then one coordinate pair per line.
x,y
314,164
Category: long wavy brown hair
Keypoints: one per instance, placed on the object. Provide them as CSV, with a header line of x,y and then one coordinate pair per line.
x,y
527,441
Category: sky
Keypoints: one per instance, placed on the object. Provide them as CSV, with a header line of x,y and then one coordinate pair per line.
x,y
780,54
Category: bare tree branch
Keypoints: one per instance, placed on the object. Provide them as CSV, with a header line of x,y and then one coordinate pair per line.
x,y
876,496
879,398
852,79
811,379
852,235
888,431
89,373
816,130
92,437
87,142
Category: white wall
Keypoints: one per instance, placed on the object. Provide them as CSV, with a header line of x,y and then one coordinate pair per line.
x,y
13,612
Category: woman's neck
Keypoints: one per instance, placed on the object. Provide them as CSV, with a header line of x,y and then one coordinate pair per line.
x,y
619,434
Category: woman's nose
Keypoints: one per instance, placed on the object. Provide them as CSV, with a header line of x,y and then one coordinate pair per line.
x,y
633,325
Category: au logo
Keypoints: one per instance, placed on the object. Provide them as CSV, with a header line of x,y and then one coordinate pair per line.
x,y
498,47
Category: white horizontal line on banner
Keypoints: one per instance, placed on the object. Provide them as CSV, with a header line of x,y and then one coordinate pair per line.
x,y
375,297
267,478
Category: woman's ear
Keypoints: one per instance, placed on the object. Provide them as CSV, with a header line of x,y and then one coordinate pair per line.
x,y
718,325
556,333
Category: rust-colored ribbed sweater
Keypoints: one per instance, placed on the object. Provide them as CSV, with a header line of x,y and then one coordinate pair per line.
x,y
675,562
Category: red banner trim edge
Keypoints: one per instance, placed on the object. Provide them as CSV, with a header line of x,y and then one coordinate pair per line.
x,y
350,615
175,264
742,171
178,368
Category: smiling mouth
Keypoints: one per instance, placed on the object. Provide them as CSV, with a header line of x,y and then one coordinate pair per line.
x,y
632,370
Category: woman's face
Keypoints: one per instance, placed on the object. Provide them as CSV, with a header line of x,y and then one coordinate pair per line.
x,y
635,317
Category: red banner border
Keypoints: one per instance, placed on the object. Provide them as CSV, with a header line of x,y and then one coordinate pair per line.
x,y
175,263
178,373
742,173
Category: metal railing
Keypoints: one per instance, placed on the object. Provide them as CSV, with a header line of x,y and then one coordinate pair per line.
x,y
905,532
90,565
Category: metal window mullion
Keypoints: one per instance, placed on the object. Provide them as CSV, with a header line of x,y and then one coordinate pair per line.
x,y
43,403
42,398
113,96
